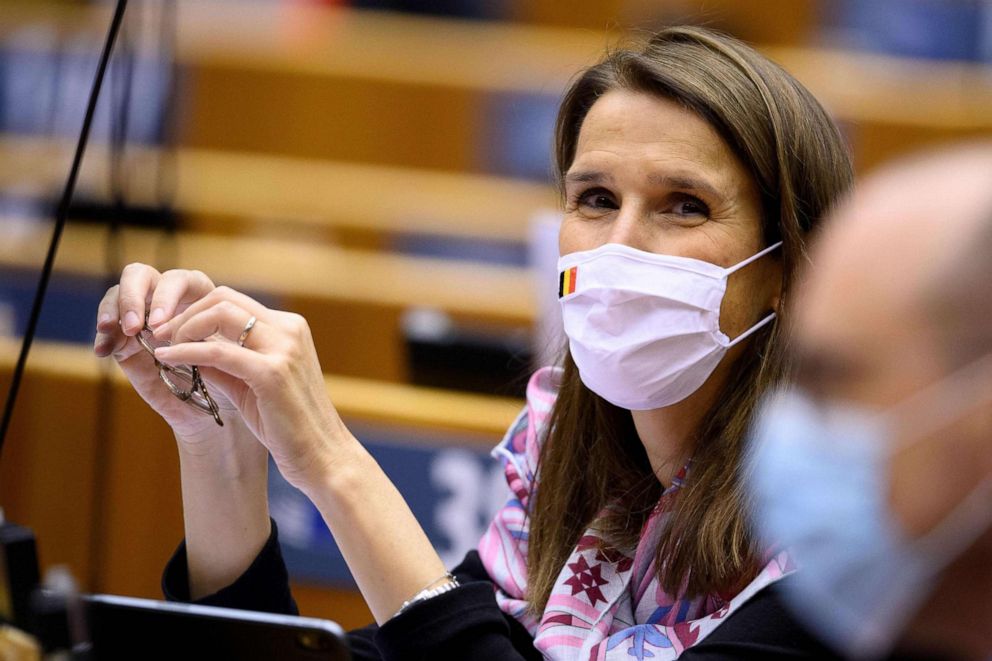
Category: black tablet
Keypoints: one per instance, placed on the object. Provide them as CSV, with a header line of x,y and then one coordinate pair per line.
x,y
130,628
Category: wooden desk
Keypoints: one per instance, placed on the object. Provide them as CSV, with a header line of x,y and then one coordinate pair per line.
x,y
891,106
103,497
240,192
386,88
760,21
411,90
353,299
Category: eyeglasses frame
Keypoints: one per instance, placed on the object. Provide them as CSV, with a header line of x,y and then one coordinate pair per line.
x,y
197,396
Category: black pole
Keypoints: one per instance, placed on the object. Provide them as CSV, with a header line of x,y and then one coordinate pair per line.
x,y
61,217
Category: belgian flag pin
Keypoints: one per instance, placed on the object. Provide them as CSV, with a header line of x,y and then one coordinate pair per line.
x,y
566,281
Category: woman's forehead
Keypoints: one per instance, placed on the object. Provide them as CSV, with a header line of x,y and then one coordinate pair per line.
x,y
656,135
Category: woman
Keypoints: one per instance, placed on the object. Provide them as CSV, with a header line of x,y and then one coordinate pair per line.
x,y
689,167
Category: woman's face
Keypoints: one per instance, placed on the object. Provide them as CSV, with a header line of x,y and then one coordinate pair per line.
x,y
654,176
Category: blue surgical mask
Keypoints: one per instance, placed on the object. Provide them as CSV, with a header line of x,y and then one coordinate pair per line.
x,y
820,487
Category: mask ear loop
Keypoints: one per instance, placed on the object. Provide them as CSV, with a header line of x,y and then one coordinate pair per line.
x,y
752,330
956,394
727,272
737,267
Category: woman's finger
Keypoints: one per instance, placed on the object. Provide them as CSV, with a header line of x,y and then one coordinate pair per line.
x,y
176,288
137,283
227,357
226,319
231,387
219,294
109,337
108,311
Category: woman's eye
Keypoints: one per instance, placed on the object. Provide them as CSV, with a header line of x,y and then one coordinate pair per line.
x,y
597,199
691,206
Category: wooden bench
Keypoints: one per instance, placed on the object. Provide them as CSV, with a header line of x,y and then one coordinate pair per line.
x,y
349,203
887,105
354,299
389,89
102,492
392,89
762,21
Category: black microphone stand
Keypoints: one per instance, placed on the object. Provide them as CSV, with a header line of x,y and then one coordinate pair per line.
x,y
18,545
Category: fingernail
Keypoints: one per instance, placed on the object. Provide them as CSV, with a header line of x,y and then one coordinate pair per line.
x,y
163,352
131,320
156,317
104,318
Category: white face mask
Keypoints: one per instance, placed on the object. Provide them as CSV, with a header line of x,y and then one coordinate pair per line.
x,y
644,329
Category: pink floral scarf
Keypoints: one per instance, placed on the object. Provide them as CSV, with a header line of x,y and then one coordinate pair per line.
x,y
604,605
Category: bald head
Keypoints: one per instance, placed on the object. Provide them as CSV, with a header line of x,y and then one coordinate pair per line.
x,y
958,297
899,298
904,262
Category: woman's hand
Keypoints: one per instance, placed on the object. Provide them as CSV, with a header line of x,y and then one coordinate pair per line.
x,y
272,387
224,469
121,316
274,380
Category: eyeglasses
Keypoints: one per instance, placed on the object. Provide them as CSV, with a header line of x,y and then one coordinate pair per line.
x,y
183,381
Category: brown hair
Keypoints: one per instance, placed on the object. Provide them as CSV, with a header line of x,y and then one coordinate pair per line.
x,y
592,456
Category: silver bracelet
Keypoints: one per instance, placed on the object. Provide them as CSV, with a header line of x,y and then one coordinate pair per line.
x,y
430,592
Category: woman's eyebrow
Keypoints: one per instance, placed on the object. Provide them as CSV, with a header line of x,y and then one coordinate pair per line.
x,y
677,181
587,177
686,182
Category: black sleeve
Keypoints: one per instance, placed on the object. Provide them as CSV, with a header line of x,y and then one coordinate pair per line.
x,y
463,623
263,587
762,628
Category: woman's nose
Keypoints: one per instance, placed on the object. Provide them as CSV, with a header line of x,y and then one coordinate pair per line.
x,y
629,228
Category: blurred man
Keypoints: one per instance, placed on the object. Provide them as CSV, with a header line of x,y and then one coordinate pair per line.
x,y
876,469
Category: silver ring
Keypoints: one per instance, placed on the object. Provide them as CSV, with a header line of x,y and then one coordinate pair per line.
x,y
247,329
